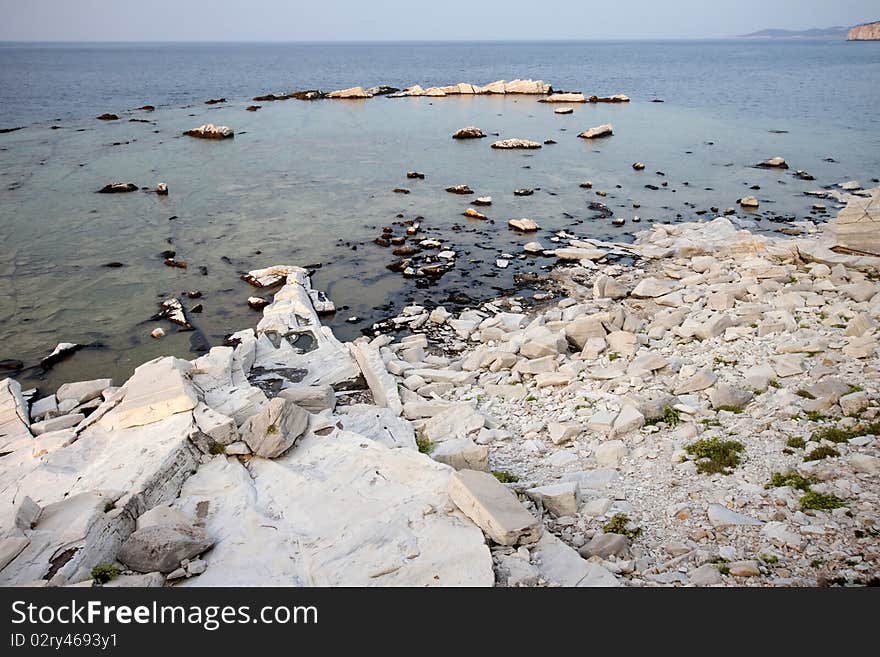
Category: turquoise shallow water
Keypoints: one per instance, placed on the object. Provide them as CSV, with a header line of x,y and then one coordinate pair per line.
x,y
305,182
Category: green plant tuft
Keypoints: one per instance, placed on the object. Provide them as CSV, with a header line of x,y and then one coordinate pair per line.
x,y
618,525
109,505
505,477
217,448
104,573
806,394
821,501
425,445
792,479
820,453
796,442
671,416
714,455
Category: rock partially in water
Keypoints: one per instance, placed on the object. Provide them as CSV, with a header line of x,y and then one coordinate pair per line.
x,y
516,143
107,117
523,225
172,310
61,351
459,189
350,93
616,98
118,188
604,130
773,163
749,202
162,189
253,108
215,101
211,131
564,98
471,132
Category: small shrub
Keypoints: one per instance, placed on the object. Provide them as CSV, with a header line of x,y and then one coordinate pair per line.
x,y
820,453
272,429
531,398
217,448
806,394
109,506
618,525
671,416
104,573
714,455
821,501
792,479
838,435
773,383
425,445
796,442
854,388
613,356
815,416
505,477
769,559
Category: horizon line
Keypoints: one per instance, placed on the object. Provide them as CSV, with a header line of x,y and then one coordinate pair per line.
x,y
404,41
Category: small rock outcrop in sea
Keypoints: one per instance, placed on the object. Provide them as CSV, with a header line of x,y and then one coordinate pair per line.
x,y
506,144
564,98
616,98
118,188
215,101
604,130
773,163
523,225
211,131
564,110
865,32
352,93
107,117
471,132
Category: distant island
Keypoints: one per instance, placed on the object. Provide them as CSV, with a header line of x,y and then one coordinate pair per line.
x,y
837,32
865,32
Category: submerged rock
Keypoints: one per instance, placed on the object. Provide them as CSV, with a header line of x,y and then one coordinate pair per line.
x,y
773,163
107,117
523,225
353,92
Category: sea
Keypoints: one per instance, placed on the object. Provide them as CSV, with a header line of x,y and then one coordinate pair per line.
x,y
311,183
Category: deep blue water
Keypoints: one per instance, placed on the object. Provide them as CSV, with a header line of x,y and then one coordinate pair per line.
x,y
828,81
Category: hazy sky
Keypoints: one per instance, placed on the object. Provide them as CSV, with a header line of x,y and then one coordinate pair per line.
x,y
298,20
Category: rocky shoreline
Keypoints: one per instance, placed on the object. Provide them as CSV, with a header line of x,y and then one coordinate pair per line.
x,y
706,415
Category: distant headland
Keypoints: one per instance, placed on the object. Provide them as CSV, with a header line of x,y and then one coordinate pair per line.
x,y
863,32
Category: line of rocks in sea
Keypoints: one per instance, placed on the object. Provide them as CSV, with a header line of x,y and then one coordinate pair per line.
x,y
705,416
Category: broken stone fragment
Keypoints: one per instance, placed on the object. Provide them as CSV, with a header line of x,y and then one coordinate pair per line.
x,y
162,547
273,430
493,508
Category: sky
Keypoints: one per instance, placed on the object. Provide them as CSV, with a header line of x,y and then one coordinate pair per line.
x,y
411,20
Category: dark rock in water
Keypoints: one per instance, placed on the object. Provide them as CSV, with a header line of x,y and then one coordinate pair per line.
x,y
147,108
139,121
398,265
62,351
172,310
118,188
382,90
652,187
268,98
12,364
406,250
772,163
3,131
381,241
114,265
401,190
397,241
107,117
549,141
211,131
171,262
415,175
459,189
197,308
168,254
194,294
308,94
253,108
523,192
803,175
215,101
658,100
601,208
203,270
